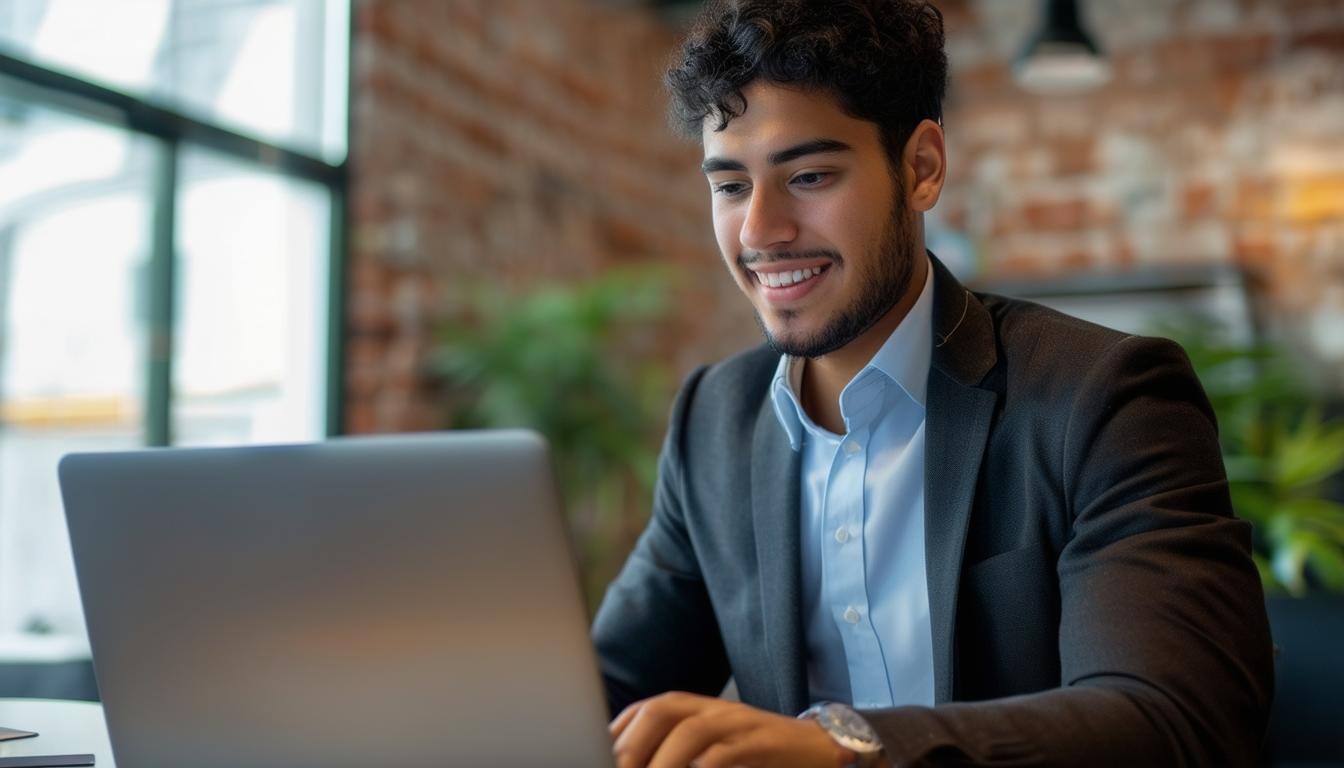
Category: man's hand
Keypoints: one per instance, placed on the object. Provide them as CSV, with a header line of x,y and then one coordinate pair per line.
x,y
676,730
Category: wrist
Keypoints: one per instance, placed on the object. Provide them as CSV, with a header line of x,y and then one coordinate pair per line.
x,y
844,758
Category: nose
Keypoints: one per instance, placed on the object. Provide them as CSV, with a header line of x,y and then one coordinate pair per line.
x,y
768,222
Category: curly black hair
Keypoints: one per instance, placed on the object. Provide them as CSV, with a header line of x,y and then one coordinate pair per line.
x,y
883,60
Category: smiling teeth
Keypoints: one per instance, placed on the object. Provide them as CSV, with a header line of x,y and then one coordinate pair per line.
x,y
782,279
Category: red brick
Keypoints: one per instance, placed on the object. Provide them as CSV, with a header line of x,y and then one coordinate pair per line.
x,y
623,237
1055,215
1074,157
1254,248
1020,264
1329,39
1122,253
1198,200
1242,51
982,80
1228,90
360,417
1076,261
1254,198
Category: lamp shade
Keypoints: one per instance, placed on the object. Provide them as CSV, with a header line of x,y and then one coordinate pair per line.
x,y
1061,57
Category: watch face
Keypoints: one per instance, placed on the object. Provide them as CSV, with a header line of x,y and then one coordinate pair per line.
x,y
843,720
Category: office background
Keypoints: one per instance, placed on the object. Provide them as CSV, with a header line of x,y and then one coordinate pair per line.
x,y
240,221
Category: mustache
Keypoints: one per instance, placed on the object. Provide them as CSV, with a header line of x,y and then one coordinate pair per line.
x,y
748,259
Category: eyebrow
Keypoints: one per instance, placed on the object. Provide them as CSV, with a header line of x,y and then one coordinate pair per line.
x,y
813,147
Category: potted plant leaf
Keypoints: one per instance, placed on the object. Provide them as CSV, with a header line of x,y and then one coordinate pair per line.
x,y
578,363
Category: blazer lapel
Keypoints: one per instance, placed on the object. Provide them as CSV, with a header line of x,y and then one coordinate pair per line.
x,y
957,424
775,509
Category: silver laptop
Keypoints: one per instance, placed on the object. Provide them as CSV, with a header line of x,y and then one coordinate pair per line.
x,y
385,601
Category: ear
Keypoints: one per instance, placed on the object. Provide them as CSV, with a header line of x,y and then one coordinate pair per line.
x,y
924,165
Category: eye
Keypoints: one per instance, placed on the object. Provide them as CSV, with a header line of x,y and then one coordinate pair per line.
x,y
810,179
729,188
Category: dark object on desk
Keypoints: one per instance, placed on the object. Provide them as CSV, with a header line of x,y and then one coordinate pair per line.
x,y
46,761
9,733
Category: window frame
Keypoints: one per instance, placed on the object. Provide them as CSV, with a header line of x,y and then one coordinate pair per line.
x,y
173,130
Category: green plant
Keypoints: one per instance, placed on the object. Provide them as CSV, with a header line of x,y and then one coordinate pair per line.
x,y
578,363
1280,455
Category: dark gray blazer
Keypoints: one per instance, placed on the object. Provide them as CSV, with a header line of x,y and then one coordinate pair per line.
x,y
1092,598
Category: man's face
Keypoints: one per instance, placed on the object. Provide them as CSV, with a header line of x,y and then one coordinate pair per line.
x,y
809,218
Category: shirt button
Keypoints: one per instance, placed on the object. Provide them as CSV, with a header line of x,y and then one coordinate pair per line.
x,y
842,534
852,448
852,616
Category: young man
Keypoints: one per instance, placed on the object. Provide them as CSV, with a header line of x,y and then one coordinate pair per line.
x,y
984,532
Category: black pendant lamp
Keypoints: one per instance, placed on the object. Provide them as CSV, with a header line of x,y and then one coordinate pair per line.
x,y
1061,57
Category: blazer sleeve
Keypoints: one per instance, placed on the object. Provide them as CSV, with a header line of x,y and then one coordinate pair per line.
x,y
655,630
1164,643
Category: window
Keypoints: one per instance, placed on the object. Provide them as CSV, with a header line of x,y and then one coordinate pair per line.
x,y
275,69
252,285
74,236
171,227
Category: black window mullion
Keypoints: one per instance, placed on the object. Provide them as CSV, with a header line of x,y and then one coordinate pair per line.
x,y
338,264
104,104
336,276
161,293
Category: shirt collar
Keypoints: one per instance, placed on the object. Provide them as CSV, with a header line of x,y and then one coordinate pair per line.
x,y
904,359
908,351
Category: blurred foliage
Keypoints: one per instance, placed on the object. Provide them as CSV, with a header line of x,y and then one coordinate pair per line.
x,y
577,363
1280,454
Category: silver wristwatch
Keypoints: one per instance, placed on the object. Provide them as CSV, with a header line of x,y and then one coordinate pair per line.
x,y
849,730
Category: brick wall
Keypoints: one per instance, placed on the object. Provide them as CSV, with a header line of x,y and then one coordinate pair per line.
x,y
525,139
1220,138
519,139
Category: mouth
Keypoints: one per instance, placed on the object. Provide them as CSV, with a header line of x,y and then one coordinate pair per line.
x,y
783,286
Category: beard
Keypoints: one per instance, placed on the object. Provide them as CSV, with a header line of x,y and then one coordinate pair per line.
x,y
881,286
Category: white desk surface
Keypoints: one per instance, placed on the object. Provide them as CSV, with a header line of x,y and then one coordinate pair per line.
x,y
63,727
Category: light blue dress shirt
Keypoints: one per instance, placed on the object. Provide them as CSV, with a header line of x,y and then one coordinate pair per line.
x,y
865,590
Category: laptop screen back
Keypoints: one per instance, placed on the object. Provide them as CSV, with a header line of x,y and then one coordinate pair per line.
x,y
390,601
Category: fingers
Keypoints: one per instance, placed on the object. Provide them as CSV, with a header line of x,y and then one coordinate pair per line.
x,y
695,734
770,741
728,754
622,721
679,729
641,728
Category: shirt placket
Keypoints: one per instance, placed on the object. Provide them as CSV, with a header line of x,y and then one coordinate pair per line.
x,y
843,548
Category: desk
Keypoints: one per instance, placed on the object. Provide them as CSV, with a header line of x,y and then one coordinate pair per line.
x,y
63,727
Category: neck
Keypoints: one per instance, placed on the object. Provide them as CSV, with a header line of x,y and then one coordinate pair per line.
x,y
826,376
